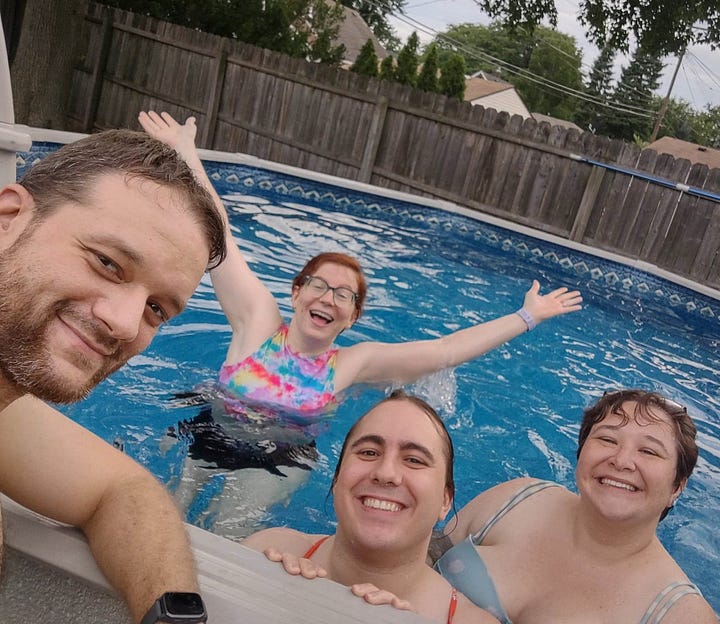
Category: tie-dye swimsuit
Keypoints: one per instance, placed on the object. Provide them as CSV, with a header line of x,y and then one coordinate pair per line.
x,y
277,376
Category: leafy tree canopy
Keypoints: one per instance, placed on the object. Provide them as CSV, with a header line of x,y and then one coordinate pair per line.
x,y
658,26
301,28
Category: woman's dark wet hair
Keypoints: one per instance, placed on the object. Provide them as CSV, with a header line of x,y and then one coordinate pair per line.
x,y
333,257
449,452
683,426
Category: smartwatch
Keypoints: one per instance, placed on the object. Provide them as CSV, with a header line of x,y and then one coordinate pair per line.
x,y
177,608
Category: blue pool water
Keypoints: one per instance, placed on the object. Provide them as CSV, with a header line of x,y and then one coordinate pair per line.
x,y
512,412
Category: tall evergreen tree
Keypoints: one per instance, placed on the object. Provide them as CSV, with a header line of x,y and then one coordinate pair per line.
x,y
387,68
452,77
366,62
428,78
591,115
407,61
635,90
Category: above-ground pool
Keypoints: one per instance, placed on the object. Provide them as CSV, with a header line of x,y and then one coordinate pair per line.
x,y
513,412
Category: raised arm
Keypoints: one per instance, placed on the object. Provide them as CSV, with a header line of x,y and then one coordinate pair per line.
x,y
405,362
53,466
248,305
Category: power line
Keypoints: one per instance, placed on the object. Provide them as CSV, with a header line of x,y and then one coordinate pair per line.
x,y
541,81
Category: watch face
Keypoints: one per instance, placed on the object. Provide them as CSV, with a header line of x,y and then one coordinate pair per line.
x,y
179,604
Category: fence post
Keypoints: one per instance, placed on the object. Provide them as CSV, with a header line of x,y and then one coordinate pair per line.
x,y
106,29
373,142
592,188
216,88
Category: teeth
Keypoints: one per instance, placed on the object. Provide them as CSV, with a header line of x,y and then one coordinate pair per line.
x,y
381,504
618,484
327,317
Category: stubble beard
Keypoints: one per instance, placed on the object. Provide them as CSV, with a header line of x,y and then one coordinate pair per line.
x,y
25,360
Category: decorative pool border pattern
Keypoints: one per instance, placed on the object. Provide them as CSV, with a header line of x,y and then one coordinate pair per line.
x,y
609,275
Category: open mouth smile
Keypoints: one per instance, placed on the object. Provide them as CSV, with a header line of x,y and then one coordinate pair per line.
x,y
618,484
383,505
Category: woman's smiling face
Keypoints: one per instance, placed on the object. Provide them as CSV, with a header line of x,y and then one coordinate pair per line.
x,y
320,315
626,468
391,485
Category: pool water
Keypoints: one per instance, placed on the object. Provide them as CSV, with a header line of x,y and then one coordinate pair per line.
x,y
513,412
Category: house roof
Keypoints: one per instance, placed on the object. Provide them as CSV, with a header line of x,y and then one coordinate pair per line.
x,y
354,33
554,121
692,151
476,88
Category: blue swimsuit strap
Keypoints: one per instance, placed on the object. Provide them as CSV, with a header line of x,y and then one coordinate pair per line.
x,y
666,599
518,497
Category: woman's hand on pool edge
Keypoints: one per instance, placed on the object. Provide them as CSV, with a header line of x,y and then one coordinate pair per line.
x,y
559,301
295,565
374,596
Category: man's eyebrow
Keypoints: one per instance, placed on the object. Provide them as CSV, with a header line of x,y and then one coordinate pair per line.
x,y
647,436
405,445
118,245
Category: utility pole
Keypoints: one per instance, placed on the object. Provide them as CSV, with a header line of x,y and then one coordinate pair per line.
x,y
666,99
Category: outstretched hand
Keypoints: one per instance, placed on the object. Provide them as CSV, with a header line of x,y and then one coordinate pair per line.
x,y
374,596
295,565
559,301
163,127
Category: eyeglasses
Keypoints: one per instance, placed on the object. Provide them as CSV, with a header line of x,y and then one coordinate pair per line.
x,y
317,287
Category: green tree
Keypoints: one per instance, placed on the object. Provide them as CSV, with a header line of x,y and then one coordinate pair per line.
x,y
376,14
294,27
657,26
706,127
387,68
325,20
407,61
511,55
634,91
555,58
484,48
428,78
679,119
590,113
452,77
366,62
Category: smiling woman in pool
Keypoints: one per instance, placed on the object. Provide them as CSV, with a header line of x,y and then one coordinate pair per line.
x,y
594,556
327,298
295,368
392,483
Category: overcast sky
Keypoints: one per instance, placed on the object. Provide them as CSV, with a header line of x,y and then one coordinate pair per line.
x,y
697,82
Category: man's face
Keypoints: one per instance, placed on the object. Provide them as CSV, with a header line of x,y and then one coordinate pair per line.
x,y
86,288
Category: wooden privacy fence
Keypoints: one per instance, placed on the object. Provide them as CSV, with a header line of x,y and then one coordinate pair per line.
x,y
328,120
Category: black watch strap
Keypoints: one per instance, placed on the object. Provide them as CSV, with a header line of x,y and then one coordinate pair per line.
x,y
177,608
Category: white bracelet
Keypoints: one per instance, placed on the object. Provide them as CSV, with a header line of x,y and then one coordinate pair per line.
x,y
527,317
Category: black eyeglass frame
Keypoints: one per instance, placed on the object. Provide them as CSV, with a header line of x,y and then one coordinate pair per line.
x,y
335,289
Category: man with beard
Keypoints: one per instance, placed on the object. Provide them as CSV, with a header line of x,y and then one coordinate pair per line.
x,y
100,243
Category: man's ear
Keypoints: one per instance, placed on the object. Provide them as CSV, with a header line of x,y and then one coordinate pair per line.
x,y
16,211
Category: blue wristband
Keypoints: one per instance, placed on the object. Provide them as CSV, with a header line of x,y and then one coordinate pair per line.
x,y
525,316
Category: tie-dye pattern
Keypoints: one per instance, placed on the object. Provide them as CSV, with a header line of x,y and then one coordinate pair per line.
x,y
275,375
